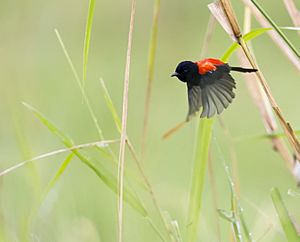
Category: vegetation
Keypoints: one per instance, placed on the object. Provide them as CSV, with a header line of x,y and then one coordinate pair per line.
x,y
230,178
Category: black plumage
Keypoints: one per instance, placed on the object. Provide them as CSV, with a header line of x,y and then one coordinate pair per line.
x,y
212,90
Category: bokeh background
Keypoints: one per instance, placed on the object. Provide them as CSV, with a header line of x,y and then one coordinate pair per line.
x,y
80,207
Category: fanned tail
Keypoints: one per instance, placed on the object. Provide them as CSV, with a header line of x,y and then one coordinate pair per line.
x,y
241,69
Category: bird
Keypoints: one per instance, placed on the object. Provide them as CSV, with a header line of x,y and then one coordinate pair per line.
x,y
209,85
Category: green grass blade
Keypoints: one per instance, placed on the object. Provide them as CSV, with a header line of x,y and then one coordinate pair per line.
x,y
117,122
294,193
277,135
69,60
227,215
85,98
58,174
285,220
173,227
49,186
108,178
198,178
176,231
250,35
65,140
111,106
26,153
265,136
276,27
236,221
150,77
235,215
87,38
247,233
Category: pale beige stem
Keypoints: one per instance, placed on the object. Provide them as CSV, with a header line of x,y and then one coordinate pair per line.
x,y
293,12
121,165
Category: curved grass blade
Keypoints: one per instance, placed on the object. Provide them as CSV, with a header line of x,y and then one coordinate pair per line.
x,y
57,176
97,144
85,98
107,177
285,220
87,38
249,36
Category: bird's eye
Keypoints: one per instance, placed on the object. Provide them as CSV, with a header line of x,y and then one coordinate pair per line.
x,y
185,70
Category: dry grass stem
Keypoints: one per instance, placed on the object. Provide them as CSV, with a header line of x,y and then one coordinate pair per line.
x,y
293,12
247,20
228,10
211,25
148,185
285,125
102,143
274,35
218,12
121,165
261,101
171,131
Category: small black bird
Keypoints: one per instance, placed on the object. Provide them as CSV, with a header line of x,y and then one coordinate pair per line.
x,y
209,85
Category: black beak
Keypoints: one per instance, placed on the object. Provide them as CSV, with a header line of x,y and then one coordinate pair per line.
x,y
174,74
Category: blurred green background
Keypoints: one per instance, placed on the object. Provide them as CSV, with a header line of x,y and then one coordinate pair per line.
x,y
80,207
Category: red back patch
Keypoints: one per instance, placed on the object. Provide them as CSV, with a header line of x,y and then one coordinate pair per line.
x,y
207,65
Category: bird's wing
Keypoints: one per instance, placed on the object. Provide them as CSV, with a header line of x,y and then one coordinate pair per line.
x,y
216,93
194,99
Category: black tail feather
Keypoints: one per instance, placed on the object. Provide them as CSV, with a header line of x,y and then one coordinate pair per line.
x,y
241,69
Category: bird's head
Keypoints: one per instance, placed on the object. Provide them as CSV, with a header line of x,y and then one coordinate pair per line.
x,y
186,71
